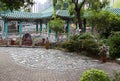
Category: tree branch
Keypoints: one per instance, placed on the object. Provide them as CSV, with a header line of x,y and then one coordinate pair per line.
x,y
82,3
76,1
73,1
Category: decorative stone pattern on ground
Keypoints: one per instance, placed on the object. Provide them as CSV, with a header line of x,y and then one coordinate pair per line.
x,y
10,71
40,58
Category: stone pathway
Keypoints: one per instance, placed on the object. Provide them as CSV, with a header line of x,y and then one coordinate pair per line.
x,y
50,59
38,64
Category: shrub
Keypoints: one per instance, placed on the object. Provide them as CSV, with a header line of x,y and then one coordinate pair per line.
x,y
116,76
86,36
91,46
115,24
114,43
102,41
94,75
71,45
82,42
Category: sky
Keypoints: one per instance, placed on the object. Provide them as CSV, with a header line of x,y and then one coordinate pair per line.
x,y
41,1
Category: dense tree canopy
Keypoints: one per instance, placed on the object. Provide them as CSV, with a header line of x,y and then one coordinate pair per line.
x,y
104,21
76,7
100,20
14,4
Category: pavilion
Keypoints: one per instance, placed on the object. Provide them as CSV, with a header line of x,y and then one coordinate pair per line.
x,y
39,18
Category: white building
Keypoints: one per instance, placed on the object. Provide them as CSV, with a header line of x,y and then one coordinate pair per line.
x,y
38,6
112,2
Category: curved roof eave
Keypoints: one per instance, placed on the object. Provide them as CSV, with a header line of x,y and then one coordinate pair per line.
x,y
27,15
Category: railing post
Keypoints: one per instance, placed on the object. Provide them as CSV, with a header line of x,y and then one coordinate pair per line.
x,y
20,31
40,26
48,29
68,28
5,29
36,27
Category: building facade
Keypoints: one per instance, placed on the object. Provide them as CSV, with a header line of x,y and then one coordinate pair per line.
x,y
113,3
38,6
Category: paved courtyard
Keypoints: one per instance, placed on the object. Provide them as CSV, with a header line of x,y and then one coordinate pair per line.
x,y
39,64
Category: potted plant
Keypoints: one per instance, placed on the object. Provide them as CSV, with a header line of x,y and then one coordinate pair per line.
x,y
103,53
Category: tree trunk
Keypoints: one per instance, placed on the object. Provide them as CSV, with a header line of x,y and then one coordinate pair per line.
x,y
78,10
84,22
80,22
79,19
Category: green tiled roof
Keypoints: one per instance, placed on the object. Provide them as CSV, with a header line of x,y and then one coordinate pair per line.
x,y
20,15
63,13
44,14
27,15
115,10
47,13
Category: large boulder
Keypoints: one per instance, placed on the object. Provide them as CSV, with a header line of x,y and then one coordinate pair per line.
x,y
27,39
118,60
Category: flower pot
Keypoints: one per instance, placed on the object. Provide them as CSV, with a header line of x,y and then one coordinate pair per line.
x,y
104,59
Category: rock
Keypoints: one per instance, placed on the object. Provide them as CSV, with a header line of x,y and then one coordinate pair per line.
x,y
118,60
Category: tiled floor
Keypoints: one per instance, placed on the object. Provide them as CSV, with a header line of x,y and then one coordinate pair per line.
x,y
12,71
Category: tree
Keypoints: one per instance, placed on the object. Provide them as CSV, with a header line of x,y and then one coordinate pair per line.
x,y
101,21
115,24
104,21
57,25
14,4
76,7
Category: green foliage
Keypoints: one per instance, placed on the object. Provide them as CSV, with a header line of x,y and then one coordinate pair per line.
x,y
102,41
97,5
76,7
82,42
114,43
116,76
72,46
101,19
86,36
14,4
91,46
94,75
115,23
112,23
57,25
71,8
104,21
27,9
54,2
2,6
